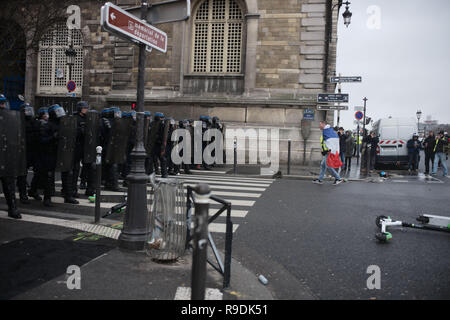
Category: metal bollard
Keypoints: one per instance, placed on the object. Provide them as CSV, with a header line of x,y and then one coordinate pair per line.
x,y
235,156
289,157
200,239
98,187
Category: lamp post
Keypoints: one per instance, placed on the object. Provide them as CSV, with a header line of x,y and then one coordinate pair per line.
x,y
418,115
134,233
71,55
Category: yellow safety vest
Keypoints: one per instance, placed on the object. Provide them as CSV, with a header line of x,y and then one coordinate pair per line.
x,y
322,143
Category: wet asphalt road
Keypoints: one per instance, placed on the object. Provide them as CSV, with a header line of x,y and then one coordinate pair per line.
x,y
317,241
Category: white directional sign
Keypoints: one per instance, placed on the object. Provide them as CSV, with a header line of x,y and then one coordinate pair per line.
x,y
332,97
329,107
120,22
345,79
166,11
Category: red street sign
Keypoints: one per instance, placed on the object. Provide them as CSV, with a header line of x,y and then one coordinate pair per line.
x,y
71,86
116,20
359,115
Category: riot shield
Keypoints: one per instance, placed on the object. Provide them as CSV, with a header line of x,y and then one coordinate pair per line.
x,y
13,161
91,138
67,136
146,135
116,152
165,137
155,129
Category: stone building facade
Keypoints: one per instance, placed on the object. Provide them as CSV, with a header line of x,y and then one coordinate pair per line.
x,y
252,63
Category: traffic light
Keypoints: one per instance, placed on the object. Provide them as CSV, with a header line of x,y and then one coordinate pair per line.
x,y
368,120
133,106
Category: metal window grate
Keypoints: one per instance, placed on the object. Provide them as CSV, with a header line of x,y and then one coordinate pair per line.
x,y
52,67
217,37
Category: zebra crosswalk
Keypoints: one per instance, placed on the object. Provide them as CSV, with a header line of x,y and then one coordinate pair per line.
x,y
241,192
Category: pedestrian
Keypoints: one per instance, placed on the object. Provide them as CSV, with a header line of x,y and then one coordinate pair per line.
x,y
439,154
365,153
342,145
414,147
374,140
428,146
349,145
330,151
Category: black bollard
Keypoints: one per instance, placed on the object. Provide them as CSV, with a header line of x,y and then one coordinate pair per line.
x,y
98,184
200,238
235,156
289,157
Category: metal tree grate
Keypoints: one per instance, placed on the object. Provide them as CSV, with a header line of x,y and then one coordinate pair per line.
x,y
167,223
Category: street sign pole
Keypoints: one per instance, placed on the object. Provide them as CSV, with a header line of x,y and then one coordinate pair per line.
x,y
134,233
339,111
364,121
357,146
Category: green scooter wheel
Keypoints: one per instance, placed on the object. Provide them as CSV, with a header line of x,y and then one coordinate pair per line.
x,y
383,237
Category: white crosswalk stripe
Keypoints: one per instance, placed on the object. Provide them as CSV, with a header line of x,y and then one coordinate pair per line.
x,y
241,192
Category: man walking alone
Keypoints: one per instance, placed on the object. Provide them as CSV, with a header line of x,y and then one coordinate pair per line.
x,y
330,151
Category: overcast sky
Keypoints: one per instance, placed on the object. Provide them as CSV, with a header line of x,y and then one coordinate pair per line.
x,y
405,64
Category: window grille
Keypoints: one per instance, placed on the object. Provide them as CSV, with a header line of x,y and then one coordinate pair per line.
x,y
217,37
53,71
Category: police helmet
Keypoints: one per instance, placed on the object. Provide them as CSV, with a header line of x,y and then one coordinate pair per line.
x,y
82,105
56,111
159,116
27,109
4,101
116,113
42,111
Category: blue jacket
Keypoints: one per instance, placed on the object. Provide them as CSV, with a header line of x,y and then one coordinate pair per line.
x,y
413,146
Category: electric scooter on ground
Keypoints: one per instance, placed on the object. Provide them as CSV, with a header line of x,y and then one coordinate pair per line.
x,y
426,222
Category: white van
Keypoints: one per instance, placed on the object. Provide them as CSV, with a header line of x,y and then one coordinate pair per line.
x,y
394,133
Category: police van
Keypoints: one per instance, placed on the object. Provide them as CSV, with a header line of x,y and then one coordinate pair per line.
x,y
394,134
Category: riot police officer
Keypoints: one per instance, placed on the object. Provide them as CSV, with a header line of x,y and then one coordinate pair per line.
x,y
206,124
217,125
110,168
157,142
126,167
82,109
173,169
31,135
37,177
53,133
184,124
6,175
147,127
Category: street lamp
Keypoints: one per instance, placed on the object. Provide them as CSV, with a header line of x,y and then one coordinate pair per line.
x,y
70,55
347,15
418,115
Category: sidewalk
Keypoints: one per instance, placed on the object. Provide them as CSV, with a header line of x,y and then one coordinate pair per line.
x,y
296,171
36,255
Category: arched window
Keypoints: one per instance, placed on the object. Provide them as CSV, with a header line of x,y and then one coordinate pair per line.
x,y
217,37
53,71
